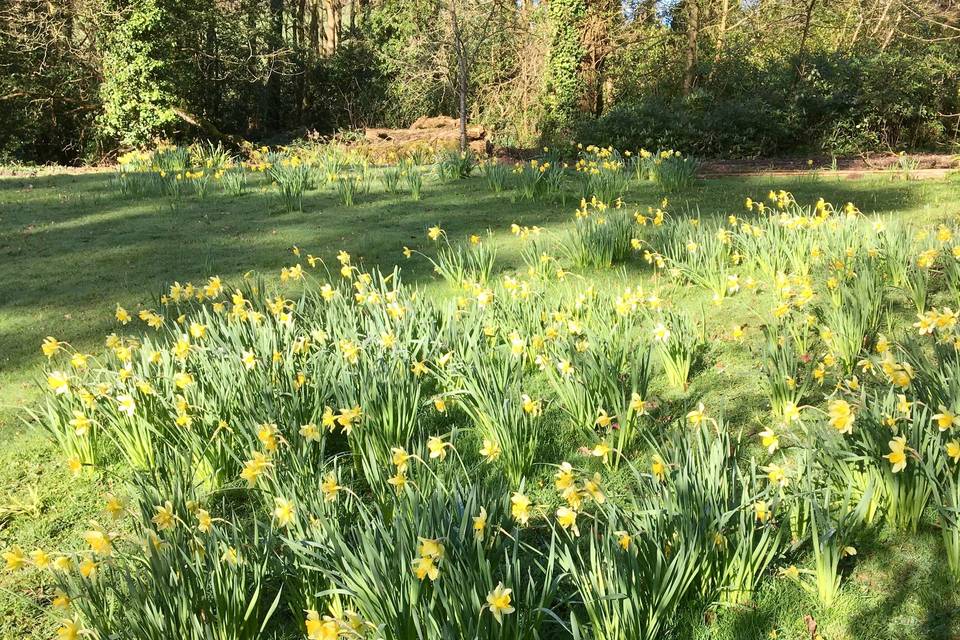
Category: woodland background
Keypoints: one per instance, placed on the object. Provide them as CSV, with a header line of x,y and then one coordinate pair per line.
x,y
82,79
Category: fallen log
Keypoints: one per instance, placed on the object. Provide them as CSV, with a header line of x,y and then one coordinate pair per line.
x,y
210,129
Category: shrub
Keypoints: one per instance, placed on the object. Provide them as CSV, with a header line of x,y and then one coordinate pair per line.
x,y
291,176
495,174
455,165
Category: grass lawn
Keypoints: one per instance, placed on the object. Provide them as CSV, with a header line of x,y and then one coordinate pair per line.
x,y
71,248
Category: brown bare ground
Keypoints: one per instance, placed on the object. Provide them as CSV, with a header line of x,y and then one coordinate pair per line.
x,y
927,165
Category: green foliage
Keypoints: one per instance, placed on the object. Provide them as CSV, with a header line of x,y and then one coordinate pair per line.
x,y
700,504
563,82
235,181
679,342
538,180
455,165
140,88
600,238
464,264
672,171
291,177
390,176
495,174
843,103
413,177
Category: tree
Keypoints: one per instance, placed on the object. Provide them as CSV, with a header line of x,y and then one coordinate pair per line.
x,y
49,79
139,89
471,24
563,81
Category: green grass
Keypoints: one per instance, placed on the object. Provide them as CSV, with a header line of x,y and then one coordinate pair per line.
x,y
70,248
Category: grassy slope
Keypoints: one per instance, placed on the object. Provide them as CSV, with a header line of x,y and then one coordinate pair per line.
x,y
70,249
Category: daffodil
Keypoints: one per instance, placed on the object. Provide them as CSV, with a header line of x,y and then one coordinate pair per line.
x,y
80,423
567,518
791,412
498,601
398,481
637,404
841,416
776,474
15,558
953,451
903,405
657,468
762,511
69,630
480,524
530,406
254,468
50,346
602,450
697,416
661,333
164,517
204,521
946,418
330,487
399,457
437,447
284,511
563,479
591,487
75,465
603,419
40,558
520,508
326,628
431,547
419,368
310,432
425,567
490,450
182,379
100,542
58,382
88,568
897,455
249,360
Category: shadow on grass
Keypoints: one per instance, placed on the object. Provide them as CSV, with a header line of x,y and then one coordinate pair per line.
x,y
920,597
70,247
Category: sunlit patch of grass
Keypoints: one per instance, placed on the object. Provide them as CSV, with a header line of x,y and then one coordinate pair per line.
x,y
41,507
899,591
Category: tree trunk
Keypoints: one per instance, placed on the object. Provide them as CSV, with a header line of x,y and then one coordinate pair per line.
x,y
256,115
314,29
693,33
463,104
330,27
270,97
211,69
721,35
462,83
802,50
